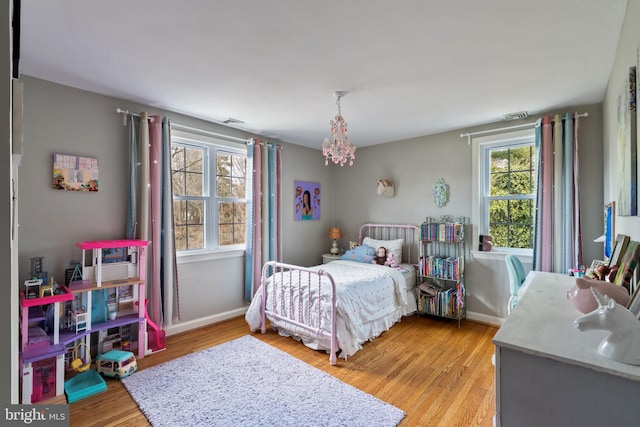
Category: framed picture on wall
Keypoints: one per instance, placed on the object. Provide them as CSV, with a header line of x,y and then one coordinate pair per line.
x,y
306,201
75,173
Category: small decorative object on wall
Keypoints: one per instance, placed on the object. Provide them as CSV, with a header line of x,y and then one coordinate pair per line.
x,y
306,200
440,192
627,176
386,187
75,173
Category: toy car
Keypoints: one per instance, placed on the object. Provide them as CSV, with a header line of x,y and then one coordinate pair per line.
x,y
116,364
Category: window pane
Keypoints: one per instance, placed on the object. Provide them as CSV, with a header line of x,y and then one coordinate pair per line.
x,y
193,161
511,223
178,183
180,212
194,185
231,219
195,212
238,234
195,237
177,157
237,187
223,186
181,238
521,183
240,212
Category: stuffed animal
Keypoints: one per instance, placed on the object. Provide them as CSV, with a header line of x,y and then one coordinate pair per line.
x,y
391,260
381,256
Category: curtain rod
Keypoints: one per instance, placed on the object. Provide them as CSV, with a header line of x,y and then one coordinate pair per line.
x,y
470,134
183,127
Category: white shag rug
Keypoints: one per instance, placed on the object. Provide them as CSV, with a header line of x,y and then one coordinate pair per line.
x,y
246,382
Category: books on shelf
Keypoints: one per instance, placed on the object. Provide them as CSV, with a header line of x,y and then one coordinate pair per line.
x,y
440,267
441,232
447,302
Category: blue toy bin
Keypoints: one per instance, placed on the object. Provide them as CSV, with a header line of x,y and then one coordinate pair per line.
x,y
83,385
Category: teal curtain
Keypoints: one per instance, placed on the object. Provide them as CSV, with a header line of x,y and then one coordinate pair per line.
x,y
264,219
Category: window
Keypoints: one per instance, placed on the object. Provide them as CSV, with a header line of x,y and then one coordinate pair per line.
x,y
209,202
506,182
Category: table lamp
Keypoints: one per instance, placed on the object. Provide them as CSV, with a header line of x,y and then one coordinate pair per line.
x,y
334,234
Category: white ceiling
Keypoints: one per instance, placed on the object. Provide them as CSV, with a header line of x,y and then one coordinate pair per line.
x,y
412,67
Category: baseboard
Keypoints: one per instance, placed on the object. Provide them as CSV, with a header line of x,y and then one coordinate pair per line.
x,y
209,320
484,318
204,321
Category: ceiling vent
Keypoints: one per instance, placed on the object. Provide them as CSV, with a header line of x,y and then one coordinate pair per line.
x,y
516,116
231,120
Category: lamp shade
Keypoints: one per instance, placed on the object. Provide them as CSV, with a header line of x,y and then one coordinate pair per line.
x,y
335,233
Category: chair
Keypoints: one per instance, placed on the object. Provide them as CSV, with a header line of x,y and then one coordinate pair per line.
x,y
516,278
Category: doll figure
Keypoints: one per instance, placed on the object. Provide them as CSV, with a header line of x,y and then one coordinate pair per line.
x,y
381,256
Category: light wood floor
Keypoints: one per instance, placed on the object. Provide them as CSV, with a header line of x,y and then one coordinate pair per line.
x,y
439,374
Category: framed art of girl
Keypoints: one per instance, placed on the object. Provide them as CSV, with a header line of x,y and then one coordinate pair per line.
x,y
306,201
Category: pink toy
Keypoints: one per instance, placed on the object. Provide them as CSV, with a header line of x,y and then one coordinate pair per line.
x,y
623,343
582,298
391,260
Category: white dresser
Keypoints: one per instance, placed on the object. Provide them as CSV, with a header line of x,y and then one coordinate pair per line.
x,y
550,374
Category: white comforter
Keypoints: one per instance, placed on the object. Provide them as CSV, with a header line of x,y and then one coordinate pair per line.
x,y
370,299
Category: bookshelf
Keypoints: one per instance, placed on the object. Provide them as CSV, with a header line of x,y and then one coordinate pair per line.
x,y
441,289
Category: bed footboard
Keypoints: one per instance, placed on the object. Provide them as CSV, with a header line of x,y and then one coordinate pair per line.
x,y
287,296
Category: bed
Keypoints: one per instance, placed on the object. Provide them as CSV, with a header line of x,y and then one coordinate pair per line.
x,y
339,306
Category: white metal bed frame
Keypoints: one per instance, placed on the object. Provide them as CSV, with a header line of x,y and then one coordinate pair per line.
x,y
276,310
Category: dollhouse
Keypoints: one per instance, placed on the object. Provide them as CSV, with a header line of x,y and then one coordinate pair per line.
x,y
104,310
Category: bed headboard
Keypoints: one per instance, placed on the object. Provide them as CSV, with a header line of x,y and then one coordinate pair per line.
x,y
411,251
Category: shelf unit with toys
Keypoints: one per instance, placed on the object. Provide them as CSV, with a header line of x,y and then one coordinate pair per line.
x,y
107,299
112,290
42,353
441,290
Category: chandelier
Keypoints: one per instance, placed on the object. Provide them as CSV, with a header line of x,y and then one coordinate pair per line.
x,y
338,148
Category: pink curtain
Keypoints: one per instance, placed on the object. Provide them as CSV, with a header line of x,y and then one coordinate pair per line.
x,y
150,218
264,219
558,229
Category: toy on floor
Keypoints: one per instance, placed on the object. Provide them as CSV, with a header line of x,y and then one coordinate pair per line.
x,y
116,364
77,364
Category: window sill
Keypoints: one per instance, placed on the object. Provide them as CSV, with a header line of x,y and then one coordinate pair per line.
x,y
186,258
499,256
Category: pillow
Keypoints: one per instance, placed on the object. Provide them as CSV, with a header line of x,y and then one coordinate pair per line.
x,y
394,246
361,253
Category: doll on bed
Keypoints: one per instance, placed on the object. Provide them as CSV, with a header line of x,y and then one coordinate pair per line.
x,y
381,256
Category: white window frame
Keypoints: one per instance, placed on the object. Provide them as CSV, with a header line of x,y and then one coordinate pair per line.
x,y
481,147
212,147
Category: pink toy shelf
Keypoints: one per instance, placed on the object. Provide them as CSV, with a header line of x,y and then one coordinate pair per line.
x,y
100,244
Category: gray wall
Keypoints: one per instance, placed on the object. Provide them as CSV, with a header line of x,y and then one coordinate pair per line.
x,y
626,56
416,163
66,120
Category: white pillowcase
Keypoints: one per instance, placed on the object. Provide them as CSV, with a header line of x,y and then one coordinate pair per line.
x,y
394,246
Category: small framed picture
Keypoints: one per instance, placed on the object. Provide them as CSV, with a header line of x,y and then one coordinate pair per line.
x,y
619,249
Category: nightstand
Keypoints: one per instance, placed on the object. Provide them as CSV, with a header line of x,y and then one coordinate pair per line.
x,y
327,258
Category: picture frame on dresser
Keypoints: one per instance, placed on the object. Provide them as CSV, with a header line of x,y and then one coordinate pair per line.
x,y
619,249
